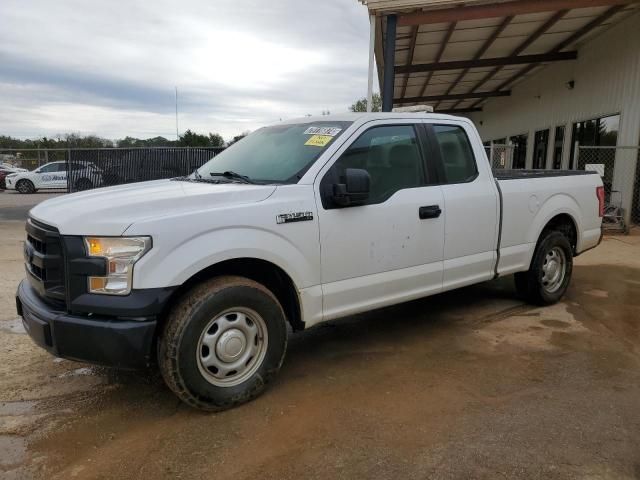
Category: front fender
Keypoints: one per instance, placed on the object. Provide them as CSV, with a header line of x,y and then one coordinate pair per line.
x,y
169,265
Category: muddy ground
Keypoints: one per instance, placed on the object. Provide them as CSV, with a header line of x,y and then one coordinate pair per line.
x,y
469,384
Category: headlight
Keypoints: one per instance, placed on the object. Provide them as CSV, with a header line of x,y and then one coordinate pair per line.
x,y
121,254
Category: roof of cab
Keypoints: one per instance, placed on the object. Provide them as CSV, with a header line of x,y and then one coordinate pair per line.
x,y
368,116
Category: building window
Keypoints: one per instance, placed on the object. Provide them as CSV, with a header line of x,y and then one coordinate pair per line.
x,y
519,143
558,147
597,132
540,147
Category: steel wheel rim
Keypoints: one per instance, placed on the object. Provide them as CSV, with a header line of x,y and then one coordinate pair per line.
x,y
554,269
23,187
232,347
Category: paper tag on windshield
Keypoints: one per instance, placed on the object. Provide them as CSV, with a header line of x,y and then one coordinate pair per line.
x,y
330,131
318,140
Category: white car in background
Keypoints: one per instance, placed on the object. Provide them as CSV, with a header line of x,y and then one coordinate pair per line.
x,y
54,176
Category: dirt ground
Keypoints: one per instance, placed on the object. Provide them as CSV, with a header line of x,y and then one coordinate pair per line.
x,y
468,384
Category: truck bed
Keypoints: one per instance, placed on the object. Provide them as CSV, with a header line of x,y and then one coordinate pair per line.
x,y
518,174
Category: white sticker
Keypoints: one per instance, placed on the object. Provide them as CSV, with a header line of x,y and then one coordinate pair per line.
x,y
331,131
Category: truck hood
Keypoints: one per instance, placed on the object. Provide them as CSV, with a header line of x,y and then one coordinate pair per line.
x,y
111,210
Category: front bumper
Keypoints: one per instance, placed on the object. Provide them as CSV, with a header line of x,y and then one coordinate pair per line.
x,y
92,338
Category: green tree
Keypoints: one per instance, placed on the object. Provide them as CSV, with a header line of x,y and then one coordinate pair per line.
x,y
75,140
216,140
361,104
193,139
129,142
237,138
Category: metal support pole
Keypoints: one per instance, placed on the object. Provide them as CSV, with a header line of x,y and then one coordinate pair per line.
x,y
372,42
389,64
576,156
68,170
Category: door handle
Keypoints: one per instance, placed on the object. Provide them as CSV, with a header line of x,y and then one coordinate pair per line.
x,y
431,211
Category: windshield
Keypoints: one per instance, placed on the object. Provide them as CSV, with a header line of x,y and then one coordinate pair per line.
x,y
276,154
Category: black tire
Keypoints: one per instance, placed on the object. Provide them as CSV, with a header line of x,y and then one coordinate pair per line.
x,y
84,184
25,186
180,346
532,285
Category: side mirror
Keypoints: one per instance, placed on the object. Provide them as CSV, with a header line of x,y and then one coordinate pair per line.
x,y
355,190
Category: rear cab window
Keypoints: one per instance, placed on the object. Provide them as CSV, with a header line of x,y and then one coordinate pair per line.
x,y
456,153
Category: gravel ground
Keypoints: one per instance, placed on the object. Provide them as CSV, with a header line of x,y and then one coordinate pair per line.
x,y
468,384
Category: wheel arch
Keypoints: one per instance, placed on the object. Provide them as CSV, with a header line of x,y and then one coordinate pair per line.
x,y
25,180
565,223
562,212
262,271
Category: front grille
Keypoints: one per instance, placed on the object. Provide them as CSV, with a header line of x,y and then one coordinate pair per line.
x,y
44,261
37,244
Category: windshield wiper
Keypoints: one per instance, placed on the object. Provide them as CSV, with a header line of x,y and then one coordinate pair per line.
x,y
233,175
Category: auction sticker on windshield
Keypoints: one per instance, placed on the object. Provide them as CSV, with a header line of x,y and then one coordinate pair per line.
x,y
318,140
330,131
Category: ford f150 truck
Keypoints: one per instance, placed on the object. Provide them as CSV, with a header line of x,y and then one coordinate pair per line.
x,y
298,223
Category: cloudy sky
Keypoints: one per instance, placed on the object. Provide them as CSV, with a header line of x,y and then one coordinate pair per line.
x,y
109,67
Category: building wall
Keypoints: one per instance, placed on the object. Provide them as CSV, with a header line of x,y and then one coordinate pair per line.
x,y
607,81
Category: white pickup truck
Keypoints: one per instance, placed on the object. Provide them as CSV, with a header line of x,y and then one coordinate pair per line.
x,y
299,223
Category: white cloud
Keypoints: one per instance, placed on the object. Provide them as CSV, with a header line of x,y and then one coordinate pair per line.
x,y
109,68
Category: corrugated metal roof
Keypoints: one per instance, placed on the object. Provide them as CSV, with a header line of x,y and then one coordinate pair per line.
x,y
388,6
478,39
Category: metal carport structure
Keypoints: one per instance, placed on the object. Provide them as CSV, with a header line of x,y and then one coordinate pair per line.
x,y
456,54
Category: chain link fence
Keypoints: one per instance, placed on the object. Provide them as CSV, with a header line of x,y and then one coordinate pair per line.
x,y
500,156
618,167
87,168
98,167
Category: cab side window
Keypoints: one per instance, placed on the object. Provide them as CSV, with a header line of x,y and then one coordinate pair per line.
x,y
52,167
390,155
456,153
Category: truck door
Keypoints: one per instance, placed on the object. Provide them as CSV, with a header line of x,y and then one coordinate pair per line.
x,y
470,203
388,249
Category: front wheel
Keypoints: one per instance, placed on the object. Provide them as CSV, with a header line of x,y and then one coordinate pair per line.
x,y
222,343
25,186
549,275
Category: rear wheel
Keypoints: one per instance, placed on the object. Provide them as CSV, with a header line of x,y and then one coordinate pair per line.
x,y
84,184
25,186
549,275
222,343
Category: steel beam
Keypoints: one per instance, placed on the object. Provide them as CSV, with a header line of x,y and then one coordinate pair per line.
x,y
488,62
389,64
453,96
456,111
